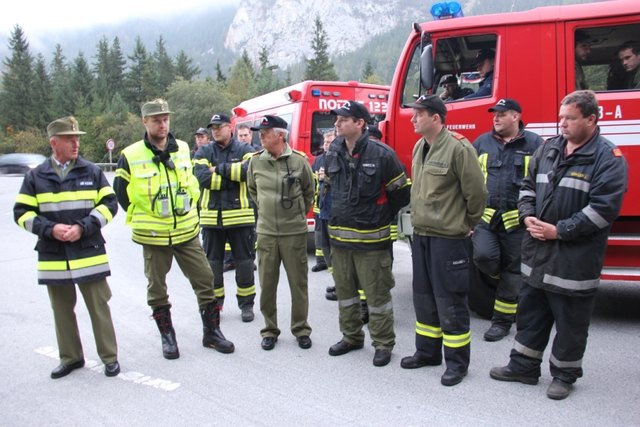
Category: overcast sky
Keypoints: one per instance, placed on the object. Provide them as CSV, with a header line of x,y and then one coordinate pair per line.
x,y
41,15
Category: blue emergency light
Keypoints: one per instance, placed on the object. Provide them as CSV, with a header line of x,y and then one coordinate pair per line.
x,y
446,10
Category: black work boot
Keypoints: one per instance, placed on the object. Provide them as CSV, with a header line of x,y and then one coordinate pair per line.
x,y
213,336
162,317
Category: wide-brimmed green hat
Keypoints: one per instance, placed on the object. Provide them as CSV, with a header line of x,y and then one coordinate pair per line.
x,y
155,108
64,126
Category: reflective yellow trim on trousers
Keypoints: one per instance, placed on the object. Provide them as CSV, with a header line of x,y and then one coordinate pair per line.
x,y
428,331
456,341
218,292
227,247
487,215
363,297
245,292
510,219
505,307
319,252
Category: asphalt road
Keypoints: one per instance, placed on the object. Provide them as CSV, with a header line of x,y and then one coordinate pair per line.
x,y
287,386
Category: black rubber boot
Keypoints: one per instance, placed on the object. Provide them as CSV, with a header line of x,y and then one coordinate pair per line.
x,y
213,337
162,317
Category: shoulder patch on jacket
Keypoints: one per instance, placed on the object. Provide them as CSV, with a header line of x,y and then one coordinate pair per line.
x,y
458,136
616,152
302,153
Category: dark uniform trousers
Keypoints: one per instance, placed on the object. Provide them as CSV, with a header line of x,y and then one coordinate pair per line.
x,y
321,258
372,271
325,241
240,239
538,310
440,288
292,252
193,263
497,254
96,296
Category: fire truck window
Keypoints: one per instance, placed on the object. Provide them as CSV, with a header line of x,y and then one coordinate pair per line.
x,y
464,66
321,122
411,89
607,58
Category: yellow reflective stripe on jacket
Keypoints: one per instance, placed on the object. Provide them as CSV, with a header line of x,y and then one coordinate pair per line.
x,y
26,199
74,264
483,158
398,182
527,159
456,341
235,171
394,231
487,215
26,220
346,234
505,307
216,182
510,219
428,330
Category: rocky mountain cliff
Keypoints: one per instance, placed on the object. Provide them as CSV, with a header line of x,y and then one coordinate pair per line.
x,y
285,27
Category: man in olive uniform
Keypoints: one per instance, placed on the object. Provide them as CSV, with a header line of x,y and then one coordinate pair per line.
x,y
65,202
447,200
280,182
368,187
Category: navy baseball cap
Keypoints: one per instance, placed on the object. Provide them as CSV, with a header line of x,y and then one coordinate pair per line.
x,y
269,122
506,104
432,102
218,119
353,109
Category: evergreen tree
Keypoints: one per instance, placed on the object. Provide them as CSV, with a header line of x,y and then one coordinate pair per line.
x,y
101,71
42,92
165,70
117,64
320,66
62,104
241,85
185,68
18,101
266,80
220,78
140,80
81,83
367,71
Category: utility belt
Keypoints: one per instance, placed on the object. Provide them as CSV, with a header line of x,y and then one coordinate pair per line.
x,y
494,218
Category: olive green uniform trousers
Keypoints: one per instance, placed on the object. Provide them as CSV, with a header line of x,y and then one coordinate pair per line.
x,y
193,263
96,296
292,252
372,271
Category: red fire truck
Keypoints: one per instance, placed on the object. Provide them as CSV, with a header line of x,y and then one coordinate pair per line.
x,y
306,108
535,63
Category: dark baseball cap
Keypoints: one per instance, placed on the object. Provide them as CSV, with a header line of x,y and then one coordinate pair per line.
x,y
432,102
353,109
450,78
506,104
218,119
269,122
202,131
